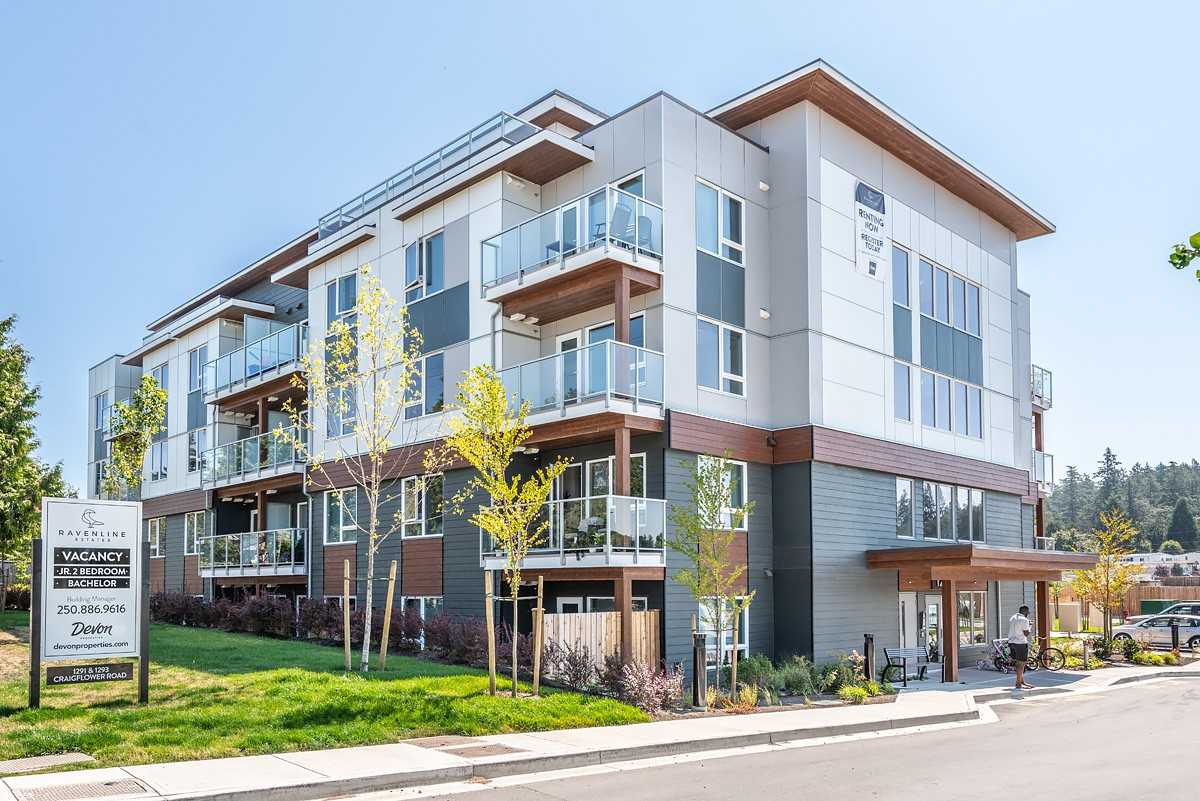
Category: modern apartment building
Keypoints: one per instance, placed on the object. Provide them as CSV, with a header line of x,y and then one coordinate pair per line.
x,y
799,277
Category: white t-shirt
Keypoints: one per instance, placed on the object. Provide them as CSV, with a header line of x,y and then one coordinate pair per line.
x,y
1018,624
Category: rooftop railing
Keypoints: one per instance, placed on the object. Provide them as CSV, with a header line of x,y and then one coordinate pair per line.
x,y
283,348
600,525
250,456
606,216
1042,381
254,551
492,136
604,371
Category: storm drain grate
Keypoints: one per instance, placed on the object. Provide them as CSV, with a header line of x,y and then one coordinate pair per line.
x,y
27,764
81,790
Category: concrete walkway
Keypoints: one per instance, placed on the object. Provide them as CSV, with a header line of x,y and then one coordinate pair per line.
x,y
321,774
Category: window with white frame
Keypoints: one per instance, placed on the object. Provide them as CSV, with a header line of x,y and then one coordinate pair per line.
x,y
341,296
720,356
197,358
341,409
101,406
952,513
606,603
427,394
904,508
426,607
157,527
902,401
161,376
424,267
421,506
951,405
341,511
193,530
706,622
735,483
972,617
159,456
719,222
197,445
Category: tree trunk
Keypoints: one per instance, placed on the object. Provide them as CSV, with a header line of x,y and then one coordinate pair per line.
x,y
366,646
733,655
515,595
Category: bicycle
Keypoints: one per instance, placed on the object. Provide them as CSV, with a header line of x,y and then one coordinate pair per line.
x,y
1050,658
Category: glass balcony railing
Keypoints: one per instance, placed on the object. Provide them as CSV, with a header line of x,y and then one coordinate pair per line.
x,y
602,524
249,457
607,371
492,136
254,550
605,216
1043,468
1043,386
1043,543
283,348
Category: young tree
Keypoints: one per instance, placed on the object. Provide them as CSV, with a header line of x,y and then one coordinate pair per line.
x,y
360,379
1183,526
704,532
1171,546
1106,583
134,425
486,433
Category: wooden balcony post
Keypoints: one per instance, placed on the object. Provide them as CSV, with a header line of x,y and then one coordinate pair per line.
x,y
1043,613
623,598
949,625
621,310
621,477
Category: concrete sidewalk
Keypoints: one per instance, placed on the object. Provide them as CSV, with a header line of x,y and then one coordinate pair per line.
x,y
320,774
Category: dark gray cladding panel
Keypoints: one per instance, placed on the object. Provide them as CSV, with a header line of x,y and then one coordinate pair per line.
x,y
720,289
291,304
792,543
760,558
443,319
174,551
197,410
462,577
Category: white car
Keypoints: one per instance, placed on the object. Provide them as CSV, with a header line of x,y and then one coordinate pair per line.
x,y
1155,631
1187,608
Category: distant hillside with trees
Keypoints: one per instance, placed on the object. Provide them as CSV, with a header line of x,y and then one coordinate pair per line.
x,y
1160,500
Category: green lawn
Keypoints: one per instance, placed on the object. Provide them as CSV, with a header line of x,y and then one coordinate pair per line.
x,y
214,694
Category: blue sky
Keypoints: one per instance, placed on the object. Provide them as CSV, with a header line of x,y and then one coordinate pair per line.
x,y
148,150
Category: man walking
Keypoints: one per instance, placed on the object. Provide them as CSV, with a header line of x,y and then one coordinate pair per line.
x,y
1018,644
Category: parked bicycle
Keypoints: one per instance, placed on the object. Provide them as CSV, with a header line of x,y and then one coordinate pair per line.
x,y
1050,658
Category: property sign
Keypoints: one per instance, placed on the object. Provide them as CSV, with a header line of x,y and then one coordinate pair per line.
x,y
91,584
873,245
87,674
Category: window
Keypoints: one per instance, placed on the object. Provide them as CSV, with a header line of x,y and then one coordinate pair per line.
x,y
974,412
942,412
972,309
735,481
926,288
425,607
197,358
421,506
341,296
424,267
634,184
161,375
719,222
720,357
427,393
976,501
958,302
341,410
904,508
158,460
903,389
972,612
193,530
900,277
341,511
960,408
941,295
606,603
100,404
707,620
937,520
157,527
951,405
950,513
197,445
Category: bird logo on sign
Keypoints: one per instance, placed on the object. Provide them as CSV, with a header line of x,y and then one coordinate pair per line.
x,y
89,517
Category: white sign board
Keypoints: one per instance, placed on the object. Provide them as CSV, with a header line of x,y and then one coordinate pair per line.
x,y
873,244
91,578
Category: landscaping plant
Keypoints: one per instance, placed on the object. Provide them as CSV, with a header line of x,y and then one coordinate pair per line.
x,y
651,690
853,694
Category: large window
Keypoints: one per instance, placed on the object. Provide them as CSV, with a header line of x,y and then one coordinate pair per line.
x,y
720,357
735,483
427,393
197,358
901,306
951,405
719,222
100,404
951,342
157,527
904,508
972,614
341,296
341,409
158,460
161,376
424,267
197,445
707,623
952,513
421,506
341,510
193,530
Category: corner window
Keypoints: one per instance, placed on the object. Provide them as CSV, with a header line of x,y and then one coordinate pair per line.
x,y
193,530
161,376
341,508
427,393
719,222
100,404
904,508
424,267
720,357
421,506
735,482
197,358
157,528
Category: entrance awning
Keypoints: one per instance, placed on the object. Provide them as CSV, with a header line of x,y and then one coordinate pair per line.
x,y
970,562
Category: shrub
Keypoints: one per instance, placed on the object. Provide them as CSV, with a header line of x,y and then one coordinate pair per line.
x,y
610,675
873,688
1103,648
745,700
1130,648
458,639
651,690
1150,658
853,694
574,666
410,627
757,671
319,620
844,671
271,616
798,676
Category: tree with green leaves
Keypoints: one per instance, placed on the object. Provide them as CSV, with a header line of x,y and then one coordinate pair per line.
x,y
1106,583
1171,547
1183,526
704,531
1183,255
1110,478
135,424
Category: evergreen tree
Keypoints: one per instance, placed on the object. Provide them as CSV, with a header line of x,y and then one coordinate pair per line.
x,y
1110,478
1183,526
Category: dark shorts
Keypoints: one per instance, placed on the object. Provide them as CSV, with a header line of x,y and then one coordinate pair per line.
x,y
1019,651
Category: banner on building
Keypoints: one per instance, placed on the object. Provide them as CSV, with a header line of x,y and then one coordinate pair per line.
x,y
873,244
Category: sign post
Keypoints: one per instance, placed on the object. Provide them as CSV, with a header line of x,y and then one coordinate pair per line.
x,y
89,595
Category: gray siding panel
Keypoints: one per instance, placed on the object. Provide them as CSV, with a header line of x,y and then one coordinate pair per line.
x,y
174,560
760,558
1002,520
462,577
678,603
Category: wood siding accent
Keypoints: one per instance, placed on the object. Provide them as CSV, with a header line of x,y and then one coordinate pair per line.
x,y
739,556
574,291
174,504
593,574
158,574
421,566
408,460
266,581
192,583
696,434
333,556
285,481
573,431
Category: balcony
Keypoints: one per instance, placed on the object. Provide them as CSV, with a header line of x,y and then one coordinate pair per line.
x,y
1043,543
274,356
597,531
565,261
605,376
1042,381
250,459
279,552
1043,469
487,139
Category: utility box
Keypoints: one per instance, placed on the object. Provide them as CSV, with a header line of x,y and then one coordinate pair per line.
x,y
1152,606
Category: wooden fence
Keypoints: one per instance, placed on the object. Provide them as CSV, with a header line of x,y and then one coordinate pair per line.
x,y
600,633
1132,603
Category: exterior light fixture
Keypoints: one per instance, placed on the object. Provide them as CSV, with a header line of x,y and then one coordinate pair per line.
x,y
517,316
763,186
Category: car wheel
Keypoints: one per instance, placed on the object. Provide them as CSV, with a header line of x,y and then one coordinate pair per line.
x,y
1122,636
1194,643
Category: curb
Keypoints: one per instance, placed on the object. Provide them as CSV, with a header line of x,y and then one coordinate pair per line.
x,y
1166,674
310,791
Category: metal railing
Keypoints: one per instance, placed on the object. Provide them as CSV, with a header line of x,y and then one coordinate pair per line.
x,y
1043,543
439,166
1042,381
1043,467
606,370
600,524
283,547
282,348
605,216
251,455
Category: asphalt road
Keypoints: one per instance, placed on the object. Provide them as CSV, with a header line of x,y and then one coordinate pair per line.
x,y
1126,744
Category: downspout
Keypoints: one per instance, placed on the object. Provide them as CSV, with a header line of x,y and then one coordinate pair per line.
x,y
495,314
